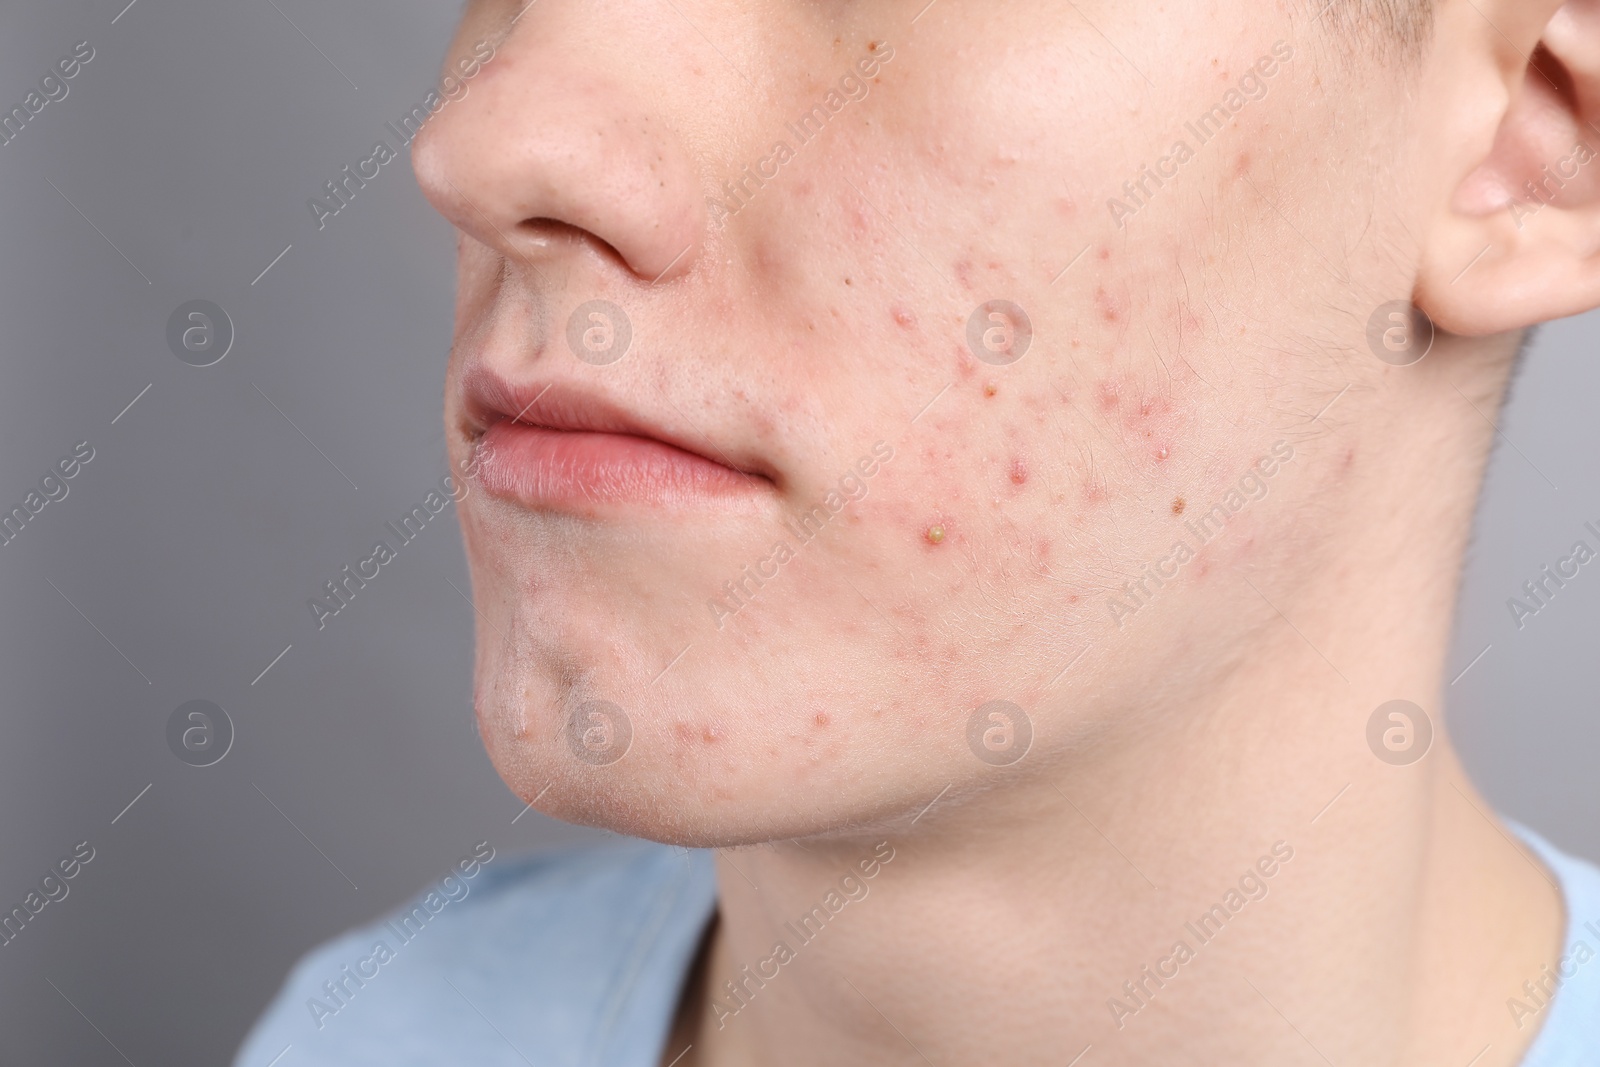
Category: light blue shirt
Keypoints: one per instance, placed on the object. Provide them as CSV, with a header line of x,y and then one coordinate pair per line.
x,y
579,959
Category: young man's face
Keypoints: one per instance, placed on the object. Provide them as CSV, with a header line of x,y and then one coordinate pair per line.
x,y
971,314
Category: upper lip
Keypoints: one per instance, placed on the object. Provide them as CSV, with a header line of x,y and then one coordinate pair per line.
x,y
553,405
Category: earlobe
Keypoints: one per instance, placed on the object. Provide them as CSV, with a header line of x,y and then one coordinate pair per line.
x,y
1518,242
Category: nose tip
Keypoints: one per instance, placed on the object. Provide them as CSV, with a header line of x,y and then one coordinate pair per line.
x,y
542,147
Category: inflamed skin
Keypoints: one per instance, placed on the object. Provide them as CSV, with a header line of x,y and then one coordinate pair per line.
x,y
1065,387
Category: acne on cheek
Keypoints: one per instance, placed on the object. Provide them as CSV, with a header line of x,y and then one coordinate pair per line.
x,y
1109,395
1151,424
692,734
966,366
1111,308
963,272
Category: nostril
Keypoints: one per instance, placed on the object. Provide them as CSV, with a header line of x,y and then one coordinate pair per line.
x,y
547,233
548,228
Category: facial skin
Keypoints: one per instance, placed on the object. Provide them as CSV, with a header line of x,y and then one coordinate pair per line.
x,y
1212,327
826,315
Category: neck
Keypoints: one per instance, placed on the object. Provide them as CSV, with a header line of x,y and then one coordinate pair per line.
x,y
1235,877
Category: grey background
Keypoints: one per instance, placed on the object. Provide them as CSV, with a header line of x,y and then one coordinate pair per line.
x,y
192,141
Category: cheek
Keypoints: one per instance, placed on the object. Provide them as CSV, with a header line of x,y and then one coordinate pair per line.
x,y
1149,424
1024,498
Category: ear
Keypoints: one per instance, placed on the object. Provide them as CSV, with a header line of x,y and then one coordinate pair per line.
x,y
1516,238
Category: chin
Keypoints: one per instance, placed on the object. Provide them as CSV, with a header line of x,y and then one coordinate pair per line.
x,y
690,772
641,797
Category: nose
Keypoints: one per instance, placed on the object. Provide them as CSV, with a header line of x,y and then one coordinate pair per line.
x,y
551,140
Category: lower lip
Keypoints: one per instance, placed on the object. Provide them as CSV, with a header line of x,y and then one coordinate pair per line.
x,y
572,469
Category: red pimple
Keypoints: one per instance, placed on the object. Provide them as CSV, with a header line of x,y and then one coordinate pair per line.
x,y
1019,471
903,317
860,222
821,719
1110,309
